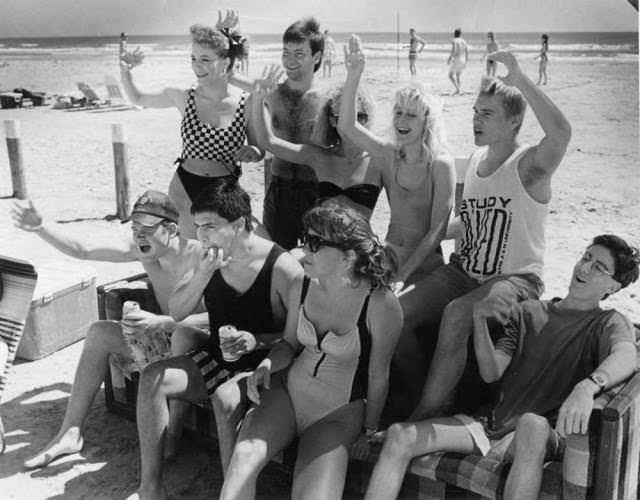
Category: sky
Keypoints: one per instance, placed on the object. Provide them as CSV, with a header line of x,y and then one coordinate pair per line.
x,y
41,18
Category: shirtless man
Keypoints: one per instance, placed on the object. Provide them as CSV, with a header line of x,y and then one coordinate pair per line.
x,y
293,106
164,255
245,281
457,58
414,41
502,221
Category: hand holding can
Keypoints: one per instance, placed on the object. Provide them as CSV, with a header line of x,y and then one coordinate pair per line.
x,y
228,332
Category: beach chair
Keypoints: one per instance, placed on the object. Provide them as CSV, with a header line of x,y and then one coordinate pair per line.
x,y
17,283
114,91
93,99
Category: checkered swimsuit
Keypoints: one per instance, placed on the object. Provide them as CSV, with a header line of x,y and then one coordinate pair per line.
x,y
202,141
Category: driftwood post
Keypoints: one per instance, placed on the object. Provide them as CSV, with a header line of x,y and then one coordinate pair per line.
x,y
121,165
12,132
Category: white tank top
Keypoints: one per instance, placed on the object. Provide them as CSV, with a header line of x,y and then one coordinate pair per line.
x,y
502,225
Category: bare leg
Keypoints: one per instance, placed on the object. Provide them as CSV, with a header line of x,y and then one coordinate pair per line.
x,y
103,338
458,81
533,442
267,429
4,354
183,340
455,83
450,355
181,200
406,441
171,378
323,454
230,404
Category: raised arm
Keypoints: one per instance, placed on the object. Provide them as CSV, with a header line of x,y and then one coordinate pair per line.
x,y
348,125
546,156
169,97
442,205
188,291
302,154
27,218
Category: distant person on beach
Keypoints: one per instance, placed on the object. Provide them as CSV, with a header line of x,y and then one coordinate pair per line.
x,y
165,256
245,282
492,46
215,118
544,59
293,189
326,381
346,174
551,359
329,54
458,58
418,172
416,45
502,223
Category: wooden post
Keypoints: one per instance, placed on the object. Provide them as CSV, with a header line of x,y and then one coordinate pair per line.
x,y
121,165
12,131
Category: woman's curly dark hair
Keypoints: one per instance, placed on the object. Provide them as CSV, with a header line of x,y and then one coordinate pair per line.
x,y
374,261
229,44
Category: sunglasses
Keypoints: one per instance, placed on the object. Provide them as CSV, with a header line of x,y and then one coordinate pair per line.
x,y
314,242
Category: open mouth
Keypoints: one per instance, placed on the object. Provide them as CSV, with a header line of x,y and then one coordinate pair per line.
x,y
477,131
580,280
144,248
402,130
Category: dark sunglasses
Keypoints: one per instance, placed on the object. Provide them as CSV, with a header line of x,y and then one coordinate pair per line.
x,y
314,242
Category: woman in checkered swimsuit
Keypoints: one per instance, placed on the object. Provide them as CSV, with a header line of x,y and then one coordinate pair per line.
x,y
215,117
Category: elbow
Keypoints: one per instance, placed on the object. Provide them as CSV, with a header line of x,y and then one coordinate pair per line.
x,y
176,312
489,377
564,132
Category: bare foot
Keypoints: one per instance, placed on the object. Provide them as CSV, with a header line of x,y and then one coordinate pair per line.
x,y
149,494
65,444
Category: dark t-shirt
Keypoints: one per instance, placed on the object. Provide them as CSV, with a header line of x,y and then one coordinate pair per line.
x,y
553,349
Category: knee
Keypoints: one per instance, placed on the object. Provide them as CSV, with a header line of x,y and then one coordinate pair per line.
x,y
456,320
101,332
152,381
248,457
400,440
225,400
531,435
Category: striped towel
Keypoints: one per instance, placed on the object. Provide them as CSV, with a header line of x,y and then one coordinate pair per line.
x,y
18,283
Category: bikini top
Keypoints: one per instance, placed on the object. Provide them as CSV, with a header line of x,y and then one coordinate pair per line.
x,y
202,141
362,194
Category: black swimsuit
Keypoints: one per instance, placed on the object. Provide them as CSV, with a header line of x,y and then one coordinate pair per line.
x,y
362,194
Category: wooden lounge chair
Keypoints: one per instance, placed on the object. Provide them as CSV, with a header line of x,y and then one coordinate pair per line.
x,y
17,283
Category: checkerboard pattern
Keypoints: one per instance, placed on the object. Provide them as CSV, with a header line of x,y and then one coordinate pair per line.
x,y
202,141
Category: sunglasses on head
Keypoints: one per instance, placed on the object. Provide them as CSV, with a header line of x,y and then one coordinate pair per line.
x,y
314,242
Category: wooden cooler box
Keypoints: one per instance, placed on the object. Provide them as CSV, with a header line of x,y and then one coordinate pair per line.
x,y
64,306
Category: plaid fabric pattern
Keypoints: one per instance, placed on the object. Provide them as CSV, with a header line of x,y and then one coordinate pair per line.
x,y
18,283
201,140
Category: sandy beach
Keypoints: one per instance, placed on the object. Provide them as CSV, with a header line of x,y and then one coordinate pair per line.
x,y
69,173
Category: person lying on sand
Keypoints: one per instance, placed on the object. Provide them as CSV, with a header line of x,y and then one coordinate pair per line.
x,y
165,256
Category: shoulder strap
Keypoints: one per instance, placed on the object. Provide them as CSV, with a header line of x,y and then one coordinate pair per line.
x,y
305,289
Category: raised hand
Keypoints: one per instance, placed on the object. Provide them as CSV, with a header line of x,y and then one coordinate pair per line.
x,y
231,20
212,259
354,59
267,83
130,59
26,217
509,60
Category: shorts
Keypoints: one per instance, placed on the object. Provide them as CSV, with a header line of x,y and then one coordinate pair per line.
x,y
413,56
457,65
497,447
285,203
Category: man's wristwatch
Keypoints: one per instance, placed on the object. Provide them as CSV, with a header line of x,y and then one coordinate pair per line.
x,y
598,380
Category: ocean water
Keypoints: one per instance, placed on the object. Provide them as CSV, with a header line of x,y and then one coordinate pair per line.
x,y
56,65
